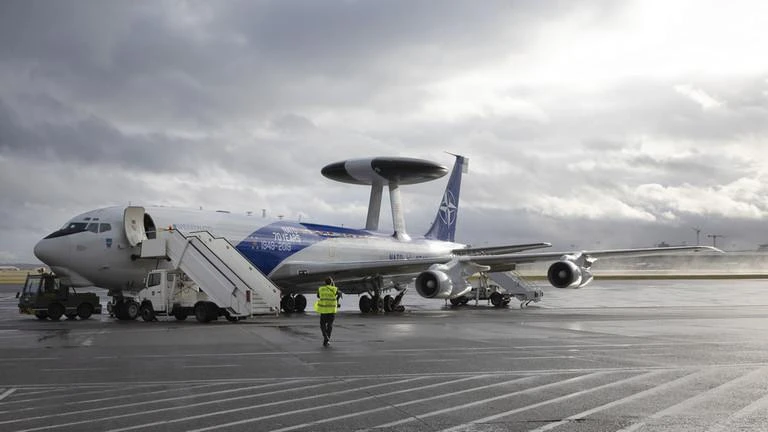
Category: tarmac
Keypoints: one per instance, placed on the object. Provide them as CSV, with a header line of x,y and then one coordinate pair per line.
x,y
672,355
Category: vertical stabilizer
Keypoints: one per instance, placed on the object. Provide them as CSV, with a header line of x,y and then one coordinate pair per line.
x,y
444,226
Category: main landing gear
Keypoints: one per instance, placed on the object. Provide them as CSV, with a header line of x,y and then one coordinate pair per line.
x,y
293,303
374,302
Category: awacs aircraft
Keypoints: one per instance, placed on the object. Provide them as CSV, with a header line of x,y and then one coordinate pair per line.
x,y
103,247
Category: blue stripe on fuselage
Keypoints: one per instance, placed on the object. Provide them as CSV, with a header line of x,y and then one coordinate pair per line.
x,y
272,244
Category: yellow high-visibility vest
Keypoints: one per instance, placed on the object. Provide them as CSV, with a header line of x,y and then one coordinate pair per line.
x,y
327,302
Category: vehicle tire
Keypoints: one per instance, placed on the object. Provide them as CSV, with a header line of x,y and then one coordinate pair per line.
x,y
288,304
180,315
41,315
365,304
131,310
496,299
147,313
213,311
300,303
456,301
55,311
389,303
84,311
464,300
201,312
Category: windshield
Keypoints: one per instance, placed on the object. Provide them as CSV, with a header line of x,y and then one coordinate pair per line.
x,y
70,228
33,282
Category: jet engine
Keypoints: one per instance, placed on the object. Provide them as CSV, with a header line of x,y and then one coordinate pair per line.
x,y
572,271
446,281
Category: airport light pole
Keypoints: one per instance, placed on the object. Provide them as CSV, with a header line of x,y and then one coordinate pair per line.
x,y
698,231
714,238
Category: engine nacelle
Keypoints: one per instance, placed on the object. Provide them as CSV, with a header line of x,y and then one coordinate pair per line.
x,y
434,284
567,274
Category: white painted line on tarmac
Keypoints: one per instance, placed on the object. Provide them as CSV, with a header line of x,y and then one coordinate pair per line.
x,y
357,413
7,393
660,388
545,402
682,406
728,424
210,366
72,369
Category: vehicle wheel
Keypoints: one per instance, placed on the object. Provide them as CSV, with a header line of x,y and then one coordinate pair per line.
x,y
456,301
365,304
147,313
230,318
41,315
288,304
84,311
131,310
300,303
496,299
464,300
201,312
55,311
180,315
389,303
213,311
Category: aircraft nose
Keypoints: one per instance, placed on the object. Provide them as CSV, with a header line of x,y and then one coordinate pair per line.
x,y
45,251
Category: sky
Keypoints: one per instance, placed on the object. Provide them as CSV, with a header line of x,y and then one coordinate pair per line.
x,y
588,124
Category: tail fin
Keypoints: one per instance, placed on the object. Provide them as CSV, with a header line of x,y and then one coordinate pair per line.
x,y
444,226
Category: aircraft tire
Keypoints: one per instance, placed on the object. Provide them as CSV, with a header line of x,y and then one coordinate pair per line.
x,y
389,303
84,311
288,304
365,304
376,301
496,299
300,303
55,311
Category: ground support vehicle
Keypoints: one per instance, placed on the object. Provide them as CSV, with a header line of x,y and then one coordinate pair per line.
x,y
45,297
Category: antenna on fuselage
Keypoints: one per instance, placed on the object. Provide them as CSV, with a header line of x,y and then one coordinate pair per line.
x,y
390,171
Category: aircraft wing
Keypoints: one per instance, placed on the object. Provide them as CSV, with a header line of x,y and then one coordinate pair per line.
x,y
496,250
504,262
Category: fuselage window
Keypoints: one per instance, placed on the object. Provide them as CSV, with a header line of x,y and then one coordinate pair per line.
x,y
105,227
93,227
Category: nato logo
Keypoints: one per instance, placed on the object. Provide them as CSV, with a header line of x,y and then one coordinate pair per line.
x,y
448,208
109,242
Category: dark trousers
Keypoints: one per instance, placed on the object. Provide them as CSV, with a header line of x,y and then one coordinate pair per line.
x,y
326,324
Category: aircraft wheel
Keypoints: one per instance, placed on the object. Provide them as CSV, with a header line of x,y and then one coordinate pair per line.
x,y
377,304
131,310
496,299
300,303
365,304
84,311
55,311
41,315
389,303
288,304
201,312
456,301
147,313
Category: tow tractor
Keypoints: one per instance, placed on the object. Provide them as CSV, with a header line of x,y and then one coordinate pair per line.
x,y
45,297
173,293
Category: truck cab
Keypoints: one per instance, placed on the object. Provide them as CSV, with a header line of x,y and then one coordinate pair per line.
x,y
45,297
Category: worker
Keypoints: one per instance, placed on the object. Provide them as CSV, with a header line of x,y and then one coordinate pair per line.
x,y
326,306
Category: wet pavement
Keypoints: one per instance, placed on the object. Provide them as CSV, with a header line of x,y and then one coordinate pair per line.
x,y
616,355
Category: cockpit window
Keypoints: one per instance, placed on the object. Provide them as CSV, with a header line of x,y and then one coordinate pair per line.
x,y
71,228
105,227
93,227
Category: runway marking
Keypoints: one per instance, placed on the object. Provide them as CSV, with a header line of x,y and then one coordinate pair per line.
x,y
211,366
644,393
483,401
726,425
398,405
72,369
693,400
7,393
266,404
113,407
377,396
